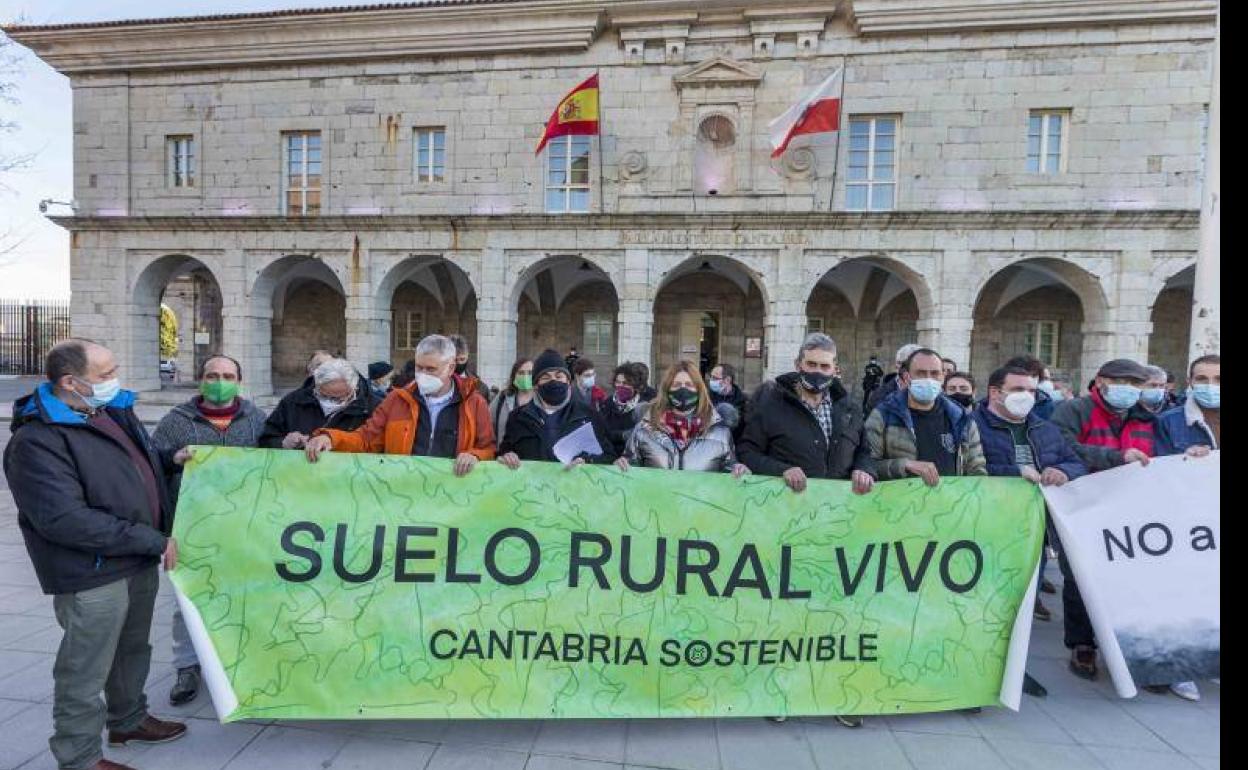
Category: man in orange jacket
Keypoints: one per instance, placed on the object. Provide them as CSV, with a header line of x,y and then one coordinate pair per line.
x,y
437,415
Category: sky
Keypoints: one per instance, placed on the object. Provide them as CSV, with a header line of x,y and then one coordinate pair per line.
x,y
38,268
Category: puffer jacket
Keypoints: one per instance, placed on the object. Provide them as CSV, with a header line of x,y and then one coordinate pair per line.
x,y
1101,448
1049,447
890,437
650,446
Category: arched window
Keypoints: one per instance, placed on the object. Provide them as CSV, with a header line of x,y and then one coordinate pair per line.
x,y
714,156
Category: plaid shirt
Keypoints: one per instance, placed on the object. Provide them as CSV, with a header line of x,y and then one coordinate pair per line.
x,y
823,413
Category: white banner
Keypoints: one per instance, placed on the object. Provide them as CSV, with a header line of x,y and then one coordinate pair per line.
x,y
1143,545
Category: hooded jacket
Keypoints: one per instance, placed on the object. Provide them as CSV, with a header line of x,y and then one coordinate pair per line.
x,y
80,502
300,412
393,427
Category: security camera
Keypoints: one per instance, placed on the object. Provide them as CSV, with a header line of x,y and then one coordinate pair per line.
x,y
43,206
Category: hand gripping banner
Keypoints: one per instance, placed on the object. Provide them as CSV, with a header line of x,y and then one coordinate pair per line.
x,y
382,587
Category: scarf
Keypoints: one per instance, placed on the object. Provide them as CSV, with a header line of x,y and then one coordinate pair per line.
x,y
219,416
681,428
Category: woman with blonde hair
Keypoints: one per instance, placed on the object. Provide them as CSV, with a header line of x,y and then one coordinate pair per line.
x,y
681,430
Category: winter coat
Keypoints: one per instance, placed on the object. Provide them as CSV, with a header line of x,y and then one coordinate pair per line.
x,y
650,446
525,435
891,440
394,425
300,412
1048,446
1183,427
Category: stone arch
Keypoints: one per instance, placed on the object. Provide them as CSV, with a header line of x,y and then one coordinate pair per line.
x,y
421,295
1047,306
914,279
1171,316
299,302
871,305
568,300
197,303
705,307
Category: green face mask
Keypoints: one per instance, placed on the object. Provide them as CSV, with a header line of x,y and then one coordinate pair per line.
x,y
523,382
218,391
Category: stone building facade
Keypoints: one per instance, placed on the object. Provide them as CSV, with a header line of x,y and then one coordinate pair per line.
x,y
1030,174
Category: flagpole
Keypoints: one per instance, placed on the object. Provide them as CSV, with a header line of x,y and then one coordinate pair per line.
x,y
602,181
836,159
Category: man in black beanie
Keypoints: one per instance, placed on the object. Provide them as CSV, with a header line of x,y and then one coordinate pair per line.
x,y
534,429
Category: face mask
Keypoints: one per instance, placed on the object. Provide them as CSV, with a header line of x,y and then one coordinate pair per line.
x,y
1056,396
1152,397
683,399
427,384
1208,396
1047,387
1121,397
553,393
328,406
102,393
963,399
816,382
716,386
523,382
219,391
587,381
461,369
1019,404
624,393
925,391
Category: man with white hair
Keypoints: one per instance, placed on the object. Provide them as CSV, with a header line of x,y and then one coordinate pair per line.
x,y
429,417
335,395
890,384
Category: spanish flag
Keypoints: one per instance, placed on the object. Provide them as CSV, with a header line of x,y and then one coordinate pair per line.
x,y
577,114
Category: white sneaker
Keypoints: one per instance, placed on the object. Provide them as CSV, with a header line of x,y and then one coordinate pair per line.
x,y
1185,690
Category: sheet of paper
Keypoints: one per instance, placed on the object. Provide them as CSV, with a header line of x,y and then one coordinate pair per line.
x,y
578,442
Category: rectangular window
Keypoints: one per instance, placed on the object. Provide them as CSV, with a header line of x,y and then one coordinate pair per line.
x,y
409,329
567,175
301,173
872,174
1041,340
430,154
180,160
1046,141
813,325
599,329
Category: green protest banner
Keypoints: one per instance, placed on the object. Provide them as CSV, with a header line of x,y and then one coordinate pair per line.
x,y
371,586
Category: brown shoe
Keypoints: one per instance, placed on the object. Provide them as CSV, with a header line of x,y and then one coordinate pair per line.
x,y
1047,586
150,730
1041,612
1083,661
105,764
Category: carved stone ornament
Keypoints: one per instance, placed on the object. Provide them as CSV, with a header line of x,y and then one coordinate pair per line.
x,y
798,163
633,165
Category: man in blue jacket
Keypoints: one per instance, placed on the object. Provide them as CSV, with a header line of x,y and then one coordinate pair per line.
x,y
1195,427
1017,442
94,510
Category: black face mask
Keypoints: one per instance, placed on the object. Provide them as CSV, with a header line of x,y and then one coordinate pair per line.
x,y
461,369
553,393
683,399
963,399
816,382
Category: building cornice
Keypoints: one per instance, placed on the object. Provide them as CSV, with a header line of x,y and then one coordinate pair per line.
x,y
893,17
382,32
1129,219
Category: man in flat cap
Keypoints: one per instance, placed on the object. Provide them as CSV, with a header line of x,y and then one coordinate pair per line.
x,y
1107,428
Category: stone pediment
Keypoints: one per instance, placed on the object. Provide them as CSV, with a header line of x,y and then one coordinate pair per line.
x,y
719,71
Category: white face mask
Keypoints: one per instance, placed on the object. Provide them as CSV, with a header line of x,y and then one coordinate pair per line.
x,y
1019,404
427,384
587,381
328,407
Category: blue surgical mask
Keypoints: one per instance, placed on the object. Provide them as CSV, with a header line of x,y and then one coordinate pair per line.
x,y
716,386
1208,396
102,393
1122,397
1152,397
924,391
